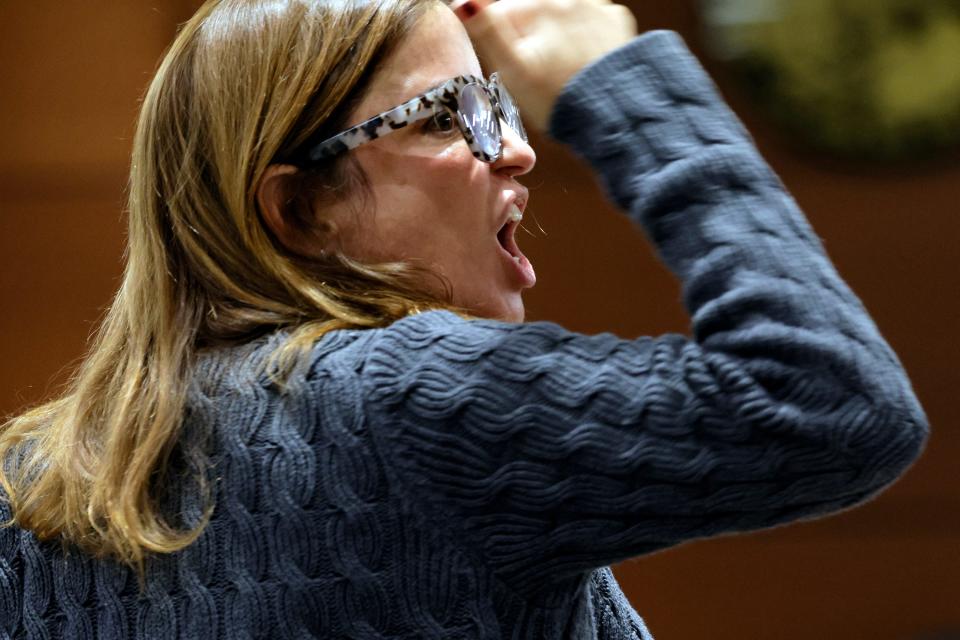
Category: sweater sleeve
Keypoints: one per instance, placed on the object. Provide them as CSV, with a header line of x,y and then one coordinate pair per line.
x,y
551,453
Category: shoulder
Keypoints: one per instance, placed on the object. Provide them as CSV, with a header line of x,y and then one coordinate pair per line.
x,y
440,357
443,336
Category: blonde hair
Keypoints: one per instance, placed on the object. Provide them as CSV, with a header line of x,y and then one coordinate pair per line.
x,y
245,84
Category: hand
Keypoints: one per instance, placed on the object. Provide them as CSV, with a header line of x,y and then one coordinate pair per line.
x,y
538,45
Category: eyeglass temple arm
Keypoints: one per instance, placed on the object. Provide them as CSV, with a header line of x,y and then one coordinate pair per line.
x,y
399,117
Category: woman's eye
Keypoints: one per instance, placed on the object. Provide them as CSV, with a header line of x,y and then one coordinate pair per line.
x,y
440,122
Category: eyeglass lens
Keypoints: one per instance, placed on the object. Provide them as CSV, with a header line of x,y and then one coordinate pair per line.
x,y
510,110
478,114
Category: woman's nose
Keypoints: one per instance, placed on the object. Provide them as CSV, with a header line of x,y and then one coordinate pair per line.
x,y
518,156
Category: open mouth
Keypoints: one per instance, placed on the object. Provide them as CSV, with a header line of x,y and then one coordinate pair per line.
x,y
507,240
506,236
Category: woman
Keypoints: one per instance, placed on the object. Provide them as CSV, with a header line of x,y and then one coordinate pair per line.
x,y
313,409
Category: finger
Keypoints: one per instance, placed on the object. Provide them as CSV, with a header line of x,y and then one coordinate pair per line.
x,y
490,29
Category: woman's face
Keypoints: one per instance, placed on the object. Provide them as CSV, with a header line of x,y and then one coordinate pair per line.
x,y
433,203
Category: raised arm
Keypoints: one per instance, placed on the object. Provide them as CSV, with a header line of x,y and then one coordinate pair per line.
x,y
550,453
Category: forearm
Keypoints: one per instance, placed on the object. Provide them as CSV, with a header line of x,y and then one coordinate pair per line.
x,y
754,275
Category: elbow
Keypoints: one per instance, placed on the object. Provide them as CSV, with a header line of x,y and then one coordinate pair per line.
x,y
883,440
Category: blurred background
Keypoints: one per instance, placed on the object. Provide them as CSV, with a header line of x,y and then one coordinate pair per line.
x,y
853,102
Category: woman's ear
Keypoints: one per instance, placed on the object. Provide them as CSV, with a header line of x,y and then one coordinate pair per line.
x,y
274,199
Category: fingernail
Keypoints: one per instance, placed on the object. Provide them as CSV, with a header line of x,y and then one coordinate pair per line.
x,y
466,9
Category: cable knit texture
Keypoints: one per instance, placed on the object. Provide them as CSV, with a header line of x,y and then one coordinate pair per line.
x,y
445,478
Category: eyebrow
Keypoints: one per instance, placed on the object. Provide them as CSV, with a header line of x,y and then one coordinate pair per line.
x,y
431,88
414,96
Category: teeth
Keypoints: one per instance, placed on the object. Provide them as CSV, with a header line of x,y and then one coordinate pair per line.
x,y
516,259
515,214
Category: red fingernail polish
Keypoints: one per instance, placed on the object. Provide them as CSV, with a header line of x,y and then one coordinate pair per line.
x,y
469,9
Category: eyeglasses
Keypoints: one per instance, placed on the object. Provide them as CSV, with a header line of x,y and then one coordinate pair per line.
x,y
477,107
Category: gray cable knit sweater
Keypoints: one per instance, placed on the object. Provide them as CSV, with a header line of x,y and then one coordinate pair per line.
x,y
444,478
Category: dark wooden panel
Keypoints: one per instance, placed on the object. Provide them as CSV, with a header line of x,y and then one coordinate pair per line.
x,y
772,587
72,73
61,263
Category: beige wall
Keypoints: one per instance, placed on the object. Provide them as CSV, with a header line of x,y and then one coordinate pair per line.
x,y
70,76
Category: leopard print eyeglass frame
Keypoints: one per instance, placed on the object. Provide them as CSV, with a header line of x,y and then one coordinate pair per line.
x,y
477,106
